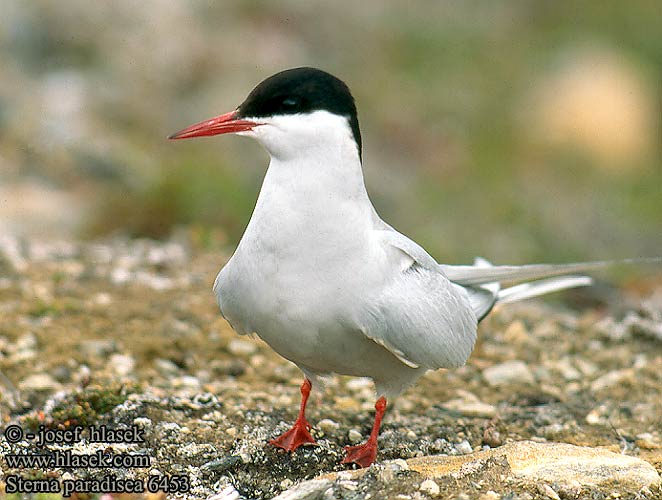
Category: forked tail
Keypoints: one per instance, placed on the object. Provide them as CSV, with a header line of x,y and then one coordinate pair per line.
x,y
483,280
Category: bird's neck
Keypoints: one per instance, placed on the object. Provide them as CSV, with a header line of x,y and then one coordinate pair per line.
x,y
323,193
330,175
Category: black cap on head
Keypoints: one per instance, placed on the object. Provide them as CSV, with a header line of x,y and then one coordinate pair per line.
x,y
302,90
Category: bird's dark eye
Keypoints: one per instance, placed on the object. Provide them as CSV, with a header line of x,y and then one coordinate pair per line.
x,y
291,102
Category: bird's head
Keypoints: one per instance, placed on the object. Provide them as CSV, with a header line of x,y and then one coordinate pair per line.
x,y
291,112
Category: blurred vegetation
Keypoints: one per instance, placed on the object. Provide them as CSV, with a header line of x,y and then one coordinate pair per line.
x,y
84,407
514,130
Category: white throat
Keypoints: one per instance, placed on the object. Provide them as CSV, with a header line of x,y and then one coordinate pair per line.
x,y
314,184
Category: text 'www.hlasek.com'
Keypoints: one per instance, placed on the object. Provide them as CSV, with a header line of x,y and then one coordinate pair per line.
x,y
46,460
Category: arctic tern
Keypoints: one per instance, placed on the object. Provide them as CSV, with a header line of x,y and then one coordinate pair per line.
x,y
328,284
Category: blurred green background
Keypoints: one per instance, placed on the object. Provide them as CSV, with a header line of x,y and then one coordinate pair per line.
x,y
515,130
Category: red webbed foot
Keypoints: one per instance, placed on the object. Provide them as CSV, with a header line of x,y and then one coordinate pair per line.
x,y
362,455
297,436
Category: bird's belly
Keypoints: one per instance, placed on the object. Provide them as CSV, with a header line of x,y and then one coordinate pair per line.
x,y
312,326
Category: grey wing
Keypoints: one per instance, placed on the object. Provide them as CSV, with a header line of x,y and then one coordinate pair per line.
x,y
482,297
420,316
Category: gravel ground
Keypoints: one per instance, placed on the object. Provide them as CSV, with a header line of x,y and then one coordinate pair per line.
x,y
128,333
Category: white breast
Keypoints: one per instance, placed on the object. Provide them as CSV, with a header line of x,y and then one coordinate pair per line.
x,y
306,256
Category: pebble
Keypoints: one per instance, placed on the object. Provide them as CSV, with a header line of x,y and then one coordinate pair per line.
x,y
430,487
308,490
647,441
166,367
227,493
102,299
359,384
12,253
62,373
348,485
122,364
611,379
492,437
463,447
470,408
399,464
239,347
586,367
507,373
222,464
328,426
548,491
97,347
185,382
142,422
516,333
354,436
565,367
39,382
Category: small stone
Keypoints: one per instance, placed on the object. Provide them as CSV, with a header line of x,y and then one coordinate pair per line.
x,y
61,373
122,364
39,382
548,491
430,487
348,485
463,447
508,372
102,299
572,489
83,375
566,369
286,483
27,342
516,333
490,495
647,441
597,416
242,348
611,379
611,329
347,404
97,347
166,367
227,493
492,437
586,367
470,408
359,384
186,382
354,436
399,464
328,426
142,422
307,490
222,464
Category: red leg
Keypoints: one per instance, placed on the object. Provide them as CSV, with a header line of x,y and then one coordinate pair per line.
x,y
365,454
298,434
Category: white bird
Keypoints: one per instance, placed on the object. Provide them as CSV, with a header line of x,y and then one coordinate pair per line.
x,y
323,280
